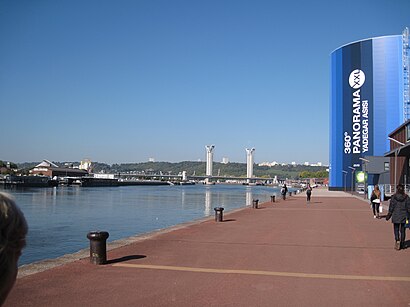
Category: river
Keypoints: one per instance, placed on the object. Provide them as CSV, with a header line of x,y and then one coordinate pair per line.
x,y
59,218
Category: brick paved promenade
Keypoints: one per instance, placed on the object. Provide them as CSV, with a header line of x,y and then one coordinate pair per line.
x,y
288,253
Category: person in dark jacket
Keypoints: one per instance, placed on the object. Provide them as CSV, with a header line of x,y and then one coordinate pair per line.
x,y
399,211
284,191
308,193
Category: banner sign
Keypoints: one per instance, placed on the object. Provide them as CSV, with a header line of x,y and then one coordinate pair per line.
x,y
366,103
357,102
352,114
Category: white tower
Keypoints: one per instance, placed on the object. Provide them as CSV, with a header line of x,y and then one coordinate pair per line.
x,y
209,160
249,163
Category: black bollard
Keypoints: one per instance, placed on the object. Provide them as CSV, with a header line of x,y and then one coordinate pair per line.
x,y
272,198
98,246
219,214
290,193
255,203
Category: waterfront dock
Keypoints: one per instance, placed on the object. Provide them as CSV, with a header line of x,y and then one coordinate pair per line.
x,y
286,253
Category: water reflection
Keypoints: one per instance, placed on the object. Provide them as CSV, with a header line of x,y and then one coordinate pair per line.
x,y
71,212
54,196
208,201
183,198
248,196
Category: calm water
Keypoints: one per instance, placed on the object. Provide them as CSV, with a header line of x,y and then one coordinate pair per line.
x,y
60,218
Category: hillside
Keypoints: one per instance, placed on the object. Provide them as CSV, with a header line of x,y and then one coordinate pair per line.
x,y
199,168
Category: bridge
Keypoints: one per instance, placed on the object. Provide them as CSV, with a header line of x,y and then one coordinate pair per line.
x,y
181,177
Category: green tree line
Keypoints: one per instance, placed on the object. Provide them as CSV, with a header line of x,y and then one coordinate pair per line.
x,y
225,170
7,167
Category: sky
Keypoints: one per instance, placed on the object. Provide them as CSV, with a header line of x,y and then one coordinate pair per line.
x,y
129,80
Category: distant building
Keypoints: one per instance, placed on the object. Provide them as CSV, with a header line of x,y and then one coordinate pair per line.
x,y
151,160
51,169
225,160
317,164
369,99
86,165
270,164
399,153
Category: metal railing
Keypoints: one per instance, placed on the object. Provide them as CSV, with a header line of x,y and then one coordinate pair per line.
x,y
390,189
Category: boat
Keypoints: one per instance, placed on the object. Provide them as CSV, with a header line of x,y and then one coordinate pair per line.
x,y
98,182
110,181
29,181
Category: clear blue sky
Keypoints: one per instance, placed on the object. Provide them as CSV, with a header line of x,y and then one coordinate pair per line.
x,y
123,81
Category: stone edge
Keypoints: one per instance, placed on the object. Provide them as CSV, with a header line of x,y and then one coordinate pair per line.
x,y
43,265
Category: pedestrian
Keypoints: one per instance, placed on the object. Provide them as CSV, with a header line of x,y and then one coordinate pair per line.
x,y
284,191
375,200
13,230
399,211
308,193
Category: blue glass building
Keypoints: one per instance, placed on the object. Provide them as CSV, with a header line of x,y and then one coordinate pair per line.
x,y
369,99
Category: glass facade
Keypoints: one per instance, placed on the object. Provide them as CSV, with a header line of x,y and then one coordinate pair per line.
x,y
406,74
367,102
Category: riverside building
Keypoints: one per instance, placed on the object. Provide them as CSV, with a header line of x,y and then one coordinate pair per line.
x,y
369,99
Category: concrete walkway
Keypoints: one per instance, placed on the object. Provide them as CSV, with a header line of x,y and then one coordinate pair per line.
x,y
287,253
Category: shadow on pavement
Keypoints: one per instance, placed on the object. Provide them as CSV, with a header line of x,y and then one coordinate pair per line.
x,y
125,258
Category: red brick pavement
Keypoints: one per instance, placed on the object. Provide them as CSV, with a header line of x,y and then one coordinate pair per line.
x,y
288,253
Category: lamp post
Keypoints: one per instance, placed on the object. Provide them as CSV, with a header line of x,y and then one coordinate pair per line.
x,y
344,173
353,170
396,153
365,161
